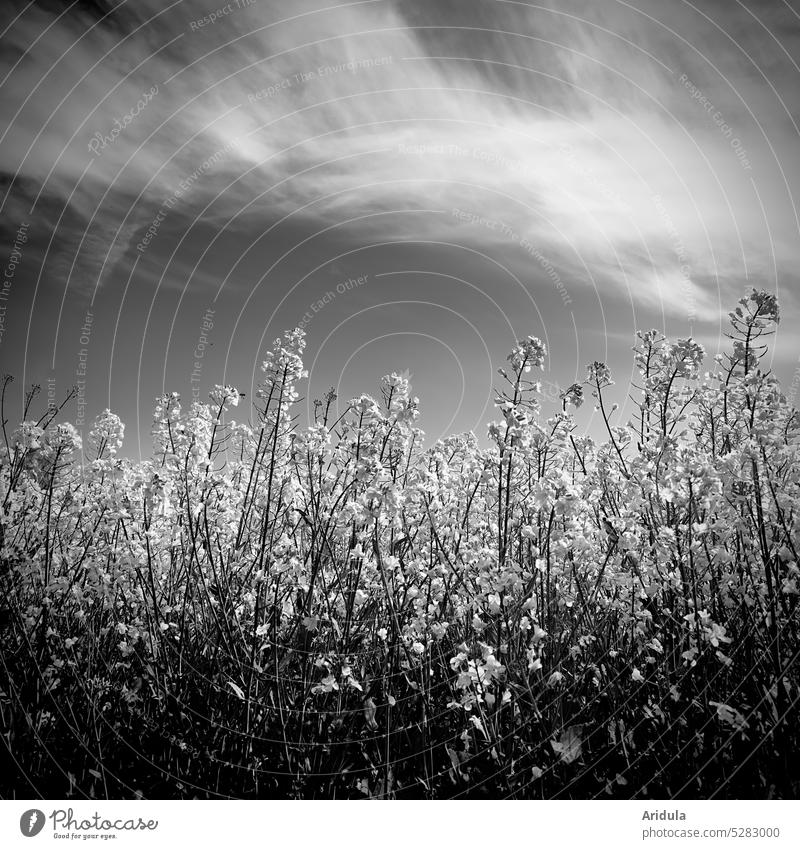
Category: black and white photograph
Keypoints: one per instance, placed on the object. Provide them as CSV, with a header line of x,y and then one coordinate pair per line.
x,y
399,403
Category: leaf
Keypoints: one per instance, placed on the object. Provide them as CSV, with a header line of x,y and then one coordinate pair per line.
x,y
455,761
369,714
479,725
453,758
569,747
730,716
236,689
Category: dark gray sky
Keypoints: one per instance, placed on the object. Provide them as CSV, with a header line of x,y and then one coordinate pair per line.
x,y
481,170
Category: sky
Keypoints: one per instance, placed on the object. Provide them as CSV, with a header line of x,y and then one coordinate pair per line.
x,y
415,183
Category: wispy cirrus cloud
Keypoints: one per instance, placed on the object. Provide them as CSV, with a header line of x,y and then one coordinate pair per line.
x,y
561,122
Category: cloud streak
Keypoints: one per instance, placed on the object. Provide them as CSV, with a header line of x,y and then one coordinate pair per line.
x,y
568,128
